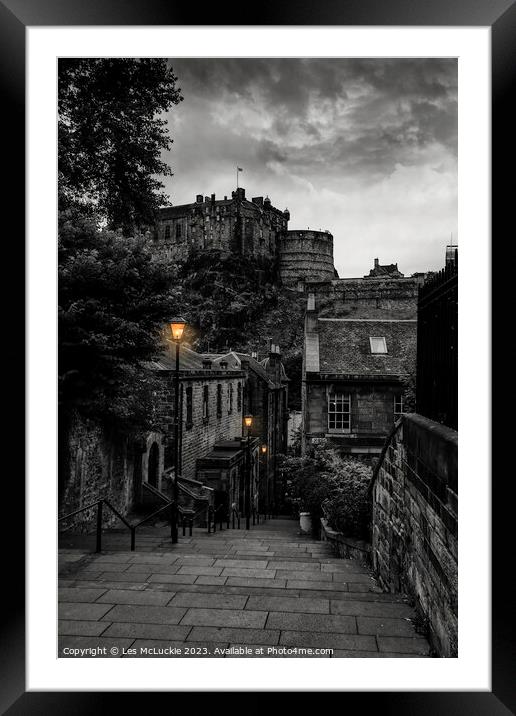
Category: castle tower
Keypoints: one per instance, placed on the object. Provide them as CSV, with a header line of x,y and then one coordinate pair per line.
x,y
306,256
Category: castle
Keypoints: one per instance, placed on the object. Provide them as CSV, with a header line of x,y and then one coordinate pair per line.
x,y
254,229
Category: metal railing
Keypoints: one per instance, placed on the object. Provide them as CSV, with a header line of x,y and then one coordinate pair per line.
x,y
99,504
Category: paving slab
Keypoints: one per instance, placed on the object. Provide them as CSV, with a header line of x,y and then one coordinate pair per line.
x,y
78,594
131,596
385,626
255,582
403,645
209,601
82,612
225,617
71,627
311,622
172,578
137,630
233,635
141,614
288,604
371,609
325,640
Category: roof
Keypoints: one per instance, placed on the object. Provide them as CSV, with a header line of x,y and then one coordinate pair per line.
x,y
341,346
189,360
234,359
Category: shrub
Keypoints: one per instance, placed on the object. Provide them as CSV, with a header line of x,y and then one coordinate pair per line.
x,y
324,483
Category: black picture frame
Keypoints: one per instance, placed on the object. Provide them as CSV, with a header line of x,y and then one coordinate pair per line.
x,y
15,16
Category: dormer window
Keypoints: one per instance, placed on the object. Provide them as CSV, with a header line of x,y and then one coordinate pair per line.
x,y
378,344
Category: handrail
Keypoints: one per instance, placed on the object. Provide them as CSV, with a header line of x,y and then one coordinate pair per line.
x,y
131,527
76,512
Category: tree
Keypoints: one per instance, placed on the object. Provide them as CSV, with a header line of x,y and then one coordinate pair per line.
x,y
111,133
114,299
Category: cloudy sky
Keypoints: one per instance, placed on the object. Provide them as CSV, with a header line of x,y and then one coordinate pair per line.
x,y
366,148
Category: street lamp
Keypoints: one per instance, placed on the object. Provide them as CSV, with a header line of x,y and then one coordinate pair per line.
x,y
248,422
263,450
177,327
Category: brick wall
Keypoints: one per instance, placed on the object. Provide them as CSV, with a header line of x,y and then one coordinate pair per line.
x,y
415,523
200,438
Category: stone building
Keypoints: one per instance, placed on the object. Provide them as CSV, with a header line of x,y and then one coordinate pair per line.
x,y
265,397
251,228
231,225
354,375
387,270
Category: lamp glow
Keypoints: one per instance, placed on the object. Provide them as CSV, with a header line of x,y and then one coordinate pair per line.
x,y
177,326
248,420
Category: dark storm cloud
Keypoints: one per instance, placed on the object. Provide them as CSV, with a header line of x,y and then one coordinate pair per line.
x,y
346,132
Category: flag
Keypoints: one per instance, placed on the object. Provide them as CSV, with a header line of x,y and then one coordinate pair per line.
x,y
239,169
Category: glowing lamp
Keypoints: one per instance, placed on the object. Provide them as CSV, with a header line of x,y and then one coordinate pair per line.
x,y
177,326
248,420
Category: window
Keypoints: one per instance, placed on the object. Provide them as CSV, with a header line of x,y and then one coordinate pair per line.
x,y
189,407
167,231
230,399
378,345
178,231
205,400
239,397
219,400
398,406
339,412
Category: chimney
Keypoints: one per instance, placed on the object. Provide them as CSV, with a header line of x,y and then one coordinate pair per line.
x,y
213,198
240,193
206,199
206,364
376,263
198,199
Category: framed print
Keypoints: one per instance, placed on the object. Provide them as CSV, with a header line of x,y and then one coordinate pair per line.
x,y
242,429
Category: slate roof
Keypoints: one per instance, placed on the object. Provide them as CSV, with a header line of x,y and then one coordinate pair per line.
x,y
234,360
344,346
189,360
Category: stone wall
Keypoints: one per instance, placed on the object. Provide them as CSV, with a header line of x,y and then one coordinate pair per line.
x,y
368,298
372,413
414,538
98,463
306,255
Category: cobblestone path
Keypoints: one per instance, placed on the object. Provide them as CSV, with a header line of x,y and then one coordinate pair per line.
x,y
267,592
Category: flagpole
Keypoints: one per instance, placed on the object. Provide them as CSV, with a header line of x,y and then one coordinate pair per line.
x,y
237,176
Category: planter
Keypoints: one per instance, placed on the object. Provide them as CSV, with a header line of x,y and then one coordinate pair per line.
x,y
305,522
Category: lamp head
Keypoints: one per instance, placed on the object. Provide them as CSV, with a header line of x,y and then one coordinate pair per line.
x,y
248,420
177,326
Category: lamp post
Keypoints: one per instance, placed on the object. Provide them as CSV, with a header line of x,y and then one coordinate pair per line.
x,y
177,327
263,450
248,421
